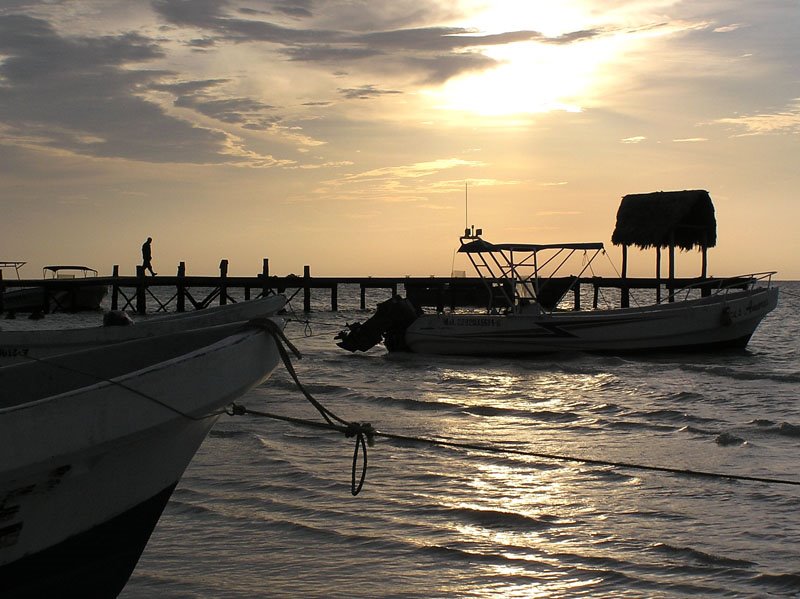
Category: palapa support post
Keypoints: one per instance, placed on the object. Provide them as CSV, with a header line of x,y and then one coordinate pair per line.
x,y
704,290
115,287
223,282
672,269
335,298
2,289
363,297
141,300
577,292
658,274
625,297
704,271
181,291
306,288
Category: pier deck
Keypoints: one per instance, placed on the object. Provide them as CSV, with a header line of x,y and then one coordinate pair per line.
x,y
201,291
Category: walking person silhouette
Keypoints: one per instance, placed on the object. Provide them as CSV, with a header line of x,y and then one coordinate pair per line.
x,y
147,255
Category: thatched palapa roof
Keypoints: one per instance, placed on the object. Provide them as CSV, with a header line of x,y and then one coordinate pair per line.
x,y
684,219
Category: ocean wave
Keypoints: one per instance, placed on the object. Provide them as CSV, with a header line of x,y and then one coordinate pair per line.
x,y
743,375
635,425
490,518
695,430
784,429
685,396
788,430
674,415
538,415
403,402
727,439
702,557
788,582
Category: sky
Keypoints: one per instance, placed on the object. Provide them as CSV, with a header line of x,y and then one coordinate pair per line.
x,y
360,136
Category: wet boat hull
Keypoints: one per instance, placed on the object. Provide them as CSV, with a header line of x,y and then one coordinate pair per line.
x,y
88,469
719,321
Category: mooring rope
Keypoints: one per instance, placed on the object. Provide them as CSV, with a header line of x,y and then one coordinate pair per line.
x,y
490,448
363,432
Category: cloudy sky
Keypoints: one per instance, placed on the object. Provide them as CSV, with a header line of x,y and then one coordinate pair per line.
x,y
342,133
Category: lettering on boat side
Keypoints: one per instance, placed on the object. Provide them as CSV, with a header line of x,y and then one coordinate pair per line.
x,y
7,513
749,309
9,535
13,352
9,505
472,321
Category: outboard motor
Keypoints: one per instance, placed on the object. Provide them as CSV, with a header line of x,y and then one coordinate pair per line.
x,y
388,324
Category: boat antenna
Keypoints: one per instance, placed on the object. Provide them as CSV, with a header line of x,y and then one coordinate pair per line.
x,y
466,205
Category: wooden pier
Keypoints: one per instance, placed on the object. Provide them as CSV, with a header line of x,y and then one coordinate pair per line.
x,y
200,291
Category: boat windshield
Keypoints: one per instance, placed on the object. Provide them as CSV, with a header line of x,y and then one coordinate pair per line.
x,y
15,264
523,273
68,271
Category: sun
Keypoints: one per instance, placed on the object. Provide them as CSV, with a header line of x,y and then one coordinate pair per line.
x,y
531,76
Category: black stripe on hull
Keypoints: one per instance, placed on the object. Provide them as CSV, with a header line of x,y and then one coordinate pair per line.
x,y
94,564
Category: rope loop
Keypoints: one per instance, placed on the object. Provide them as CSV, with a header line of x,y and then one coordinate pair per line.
x,y
362,431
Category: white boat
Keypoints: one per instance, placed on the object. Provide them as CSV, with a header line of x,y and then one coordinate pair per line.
x,y
25,345
94,442
525,312
71,296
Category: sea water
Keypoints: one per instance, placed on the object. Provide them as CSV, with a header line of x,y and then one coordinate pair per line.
x,y
265,508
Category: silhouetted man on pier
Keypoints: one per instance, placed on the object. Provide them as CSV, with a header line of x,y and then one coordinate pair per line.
x,y
147,255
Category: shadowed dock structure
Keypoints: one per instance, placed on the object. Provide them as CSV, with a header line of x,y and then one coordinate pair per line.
x,y
196,292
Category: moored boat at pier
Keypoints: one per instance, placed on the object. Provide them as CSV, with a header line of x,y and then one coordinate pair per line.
x,y
524,312
74,291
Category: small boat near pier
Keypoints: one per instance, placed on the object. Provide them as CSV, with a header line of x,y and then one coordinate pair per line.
x,y
65,288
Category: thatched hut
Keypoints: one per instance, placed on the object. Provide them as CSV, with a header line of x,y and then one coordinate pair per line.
x,y
666,219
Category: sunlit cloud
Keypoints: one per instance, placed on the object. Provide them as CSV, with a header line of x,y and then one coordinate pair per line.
x,y
633,140
690,140
366,92
411,171
785,121
727,28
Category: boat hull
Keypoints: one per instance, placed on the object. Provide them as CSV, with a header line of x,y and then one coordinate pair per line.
x,y
22,346
719,321
114,546
78,504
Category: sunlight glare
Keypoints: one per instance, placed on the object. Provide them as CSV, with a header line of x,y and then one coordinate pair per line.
x,y
532,76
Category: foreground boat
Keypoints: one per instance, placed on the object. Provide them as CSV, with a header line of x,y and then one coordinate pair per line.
x,y
95,442
524,312
20,346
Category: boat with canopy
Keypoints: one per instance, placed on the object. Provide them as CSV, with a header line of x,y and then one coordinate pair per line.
x,y
525,312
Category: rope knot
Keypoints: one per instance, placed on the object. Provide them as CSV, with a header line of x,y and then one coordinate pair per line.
x,y
235,409
365,429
